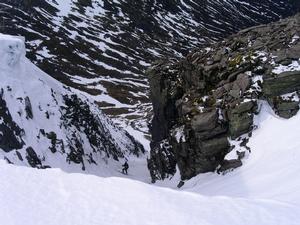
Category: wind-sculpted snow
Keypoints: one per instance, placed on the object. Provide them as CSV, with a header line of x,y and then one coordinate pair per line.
x,y
103,47
11,50
45,124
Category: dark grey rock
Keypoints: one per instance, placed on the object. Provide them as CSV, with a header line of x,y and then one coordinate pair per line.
x,y
283,83
230,165
162,162
19,155
204,121
240,124
214,146
32,158
240,155
28,108
244,107
180,184
286,109
241,118
10,132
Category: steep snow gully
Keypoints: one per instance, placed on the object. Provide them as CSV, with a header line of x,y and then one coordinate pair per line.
x,y
265,191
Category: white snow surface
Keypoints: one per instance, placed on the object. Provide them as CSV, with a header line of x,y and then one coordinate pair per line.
x,y
52,197
264,191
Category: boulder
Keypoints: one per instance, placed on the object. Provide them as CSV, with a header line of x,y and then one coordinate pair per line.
x,y
241,83
240,124
241,118
32,158
10,132
283,83
230,165
28,108
205,121
218,130
214,146
287,109
244,107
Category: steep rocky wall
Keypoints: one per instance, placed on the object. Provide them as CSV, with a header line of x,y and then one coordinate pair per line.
x,y
209,98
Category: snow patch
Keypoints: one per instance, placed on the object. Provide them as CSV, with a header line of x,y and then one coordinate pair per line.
x,y
291,97
179,134
294,66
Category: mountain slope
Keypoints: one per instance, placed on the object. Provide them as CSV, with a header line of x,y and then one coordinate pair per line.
x,y
45,124
103,47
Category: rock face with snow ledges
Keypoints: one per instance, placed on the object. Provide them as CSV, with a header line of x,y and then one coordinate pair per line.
x,y
204,105
45,124
103,47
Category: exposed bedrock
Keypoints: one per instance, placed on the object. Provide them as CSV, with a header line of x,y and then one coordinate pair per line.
x,y
211,97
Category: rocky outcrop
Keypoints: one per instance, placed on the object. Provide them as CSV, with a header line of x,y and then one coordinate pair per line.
x,y
241,118
10,133
32,158
211,97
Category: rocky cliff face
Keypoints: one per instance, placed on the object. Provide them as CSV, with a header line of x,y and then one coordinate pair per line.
x,y
102,47
45,124
206,102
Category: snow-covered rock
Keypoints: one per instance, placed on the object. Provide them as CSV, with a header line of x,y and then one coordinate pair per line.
x,y
45,124
11,50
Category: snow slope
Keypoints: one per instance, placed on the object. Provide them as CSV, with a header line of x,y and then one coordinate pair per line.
x,y
51,197
43,123
264,191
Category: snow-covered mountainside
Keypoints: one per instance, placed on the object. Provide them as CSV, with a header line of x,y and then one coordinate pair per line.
x,y
102,47
45,124
225,132
265,191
